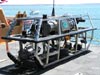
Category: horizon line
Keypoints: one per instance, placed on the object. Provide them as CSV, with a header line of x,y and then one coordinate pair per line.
x,y
51,4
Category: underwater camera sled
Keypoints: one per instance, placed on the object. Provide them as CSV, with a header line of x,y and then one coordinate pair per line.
x,y
47,40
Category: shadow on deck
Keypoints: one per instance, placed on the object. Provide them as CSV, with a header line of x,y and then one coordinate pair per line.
x,y
7,70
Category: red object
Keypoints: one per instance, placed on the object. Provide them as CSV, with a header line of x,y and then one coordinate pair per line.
x,y
2,1
9,21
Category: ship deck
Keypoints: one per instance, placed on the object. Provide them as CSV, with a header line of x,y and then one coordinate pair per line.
x,y
87,64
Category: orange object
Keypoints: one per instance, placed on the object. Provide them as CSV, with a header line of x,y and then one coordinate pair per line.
x,y
3,19
24,14
67,37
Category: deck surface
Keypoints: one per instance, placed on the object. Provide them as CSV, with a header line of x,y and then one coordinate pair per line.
x,y
88,64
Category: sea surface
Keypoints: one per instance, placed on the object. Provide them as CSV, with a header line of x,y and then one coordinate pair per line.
x,y
76,9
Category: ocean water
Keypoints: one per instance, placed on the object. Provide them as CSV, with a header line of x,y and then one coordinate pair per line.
x,y
92,9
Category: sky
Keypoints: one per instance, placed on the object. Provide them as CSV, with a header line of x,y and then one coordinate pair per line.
x,y
50,1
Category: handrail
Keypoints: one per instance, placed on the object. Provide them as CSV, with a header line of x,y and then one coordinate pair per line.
x,y
27,39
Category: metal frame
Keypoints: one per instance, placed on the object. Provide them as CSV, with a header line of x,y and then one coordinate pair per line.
x,y
58,36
